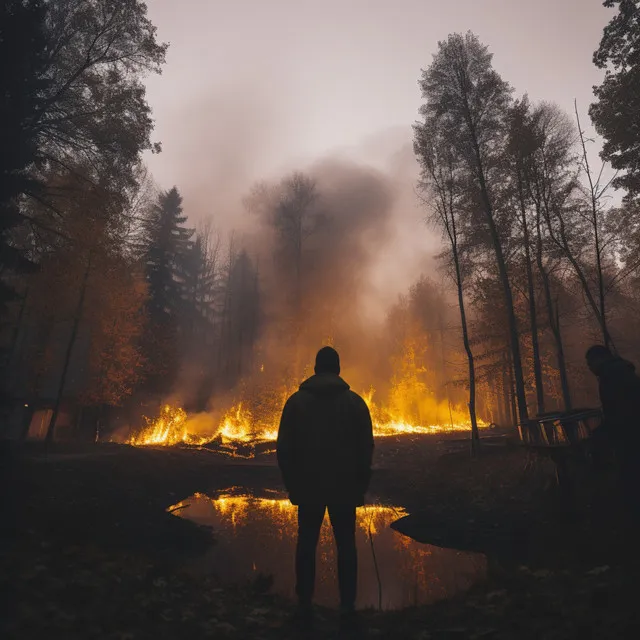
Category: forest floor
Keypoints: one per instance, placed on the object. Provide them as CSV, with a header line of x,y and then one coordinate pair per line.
x,y
88,550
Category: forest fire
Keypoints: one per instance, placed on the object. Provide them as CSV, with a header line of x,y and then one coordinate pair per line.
x,y
238,427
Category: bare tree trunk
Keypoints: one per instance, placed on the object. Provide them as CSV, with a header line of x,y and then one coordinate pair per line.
x,y
223,336
535,346
504,279
512,390
595,193
9,363
505,401
67,358
475,435
563,244
553,316
444,365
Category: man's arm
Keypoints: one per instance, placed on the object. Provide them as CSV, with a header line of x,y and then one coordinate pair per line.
x,y
285,447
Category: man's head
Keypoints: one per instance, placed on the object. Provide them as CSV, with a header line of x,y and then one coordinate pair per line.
x,y
596,356
327,361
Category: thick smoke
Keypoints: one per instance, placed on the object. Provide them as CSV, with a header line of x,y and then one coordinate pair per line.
x,y
370,246
354,213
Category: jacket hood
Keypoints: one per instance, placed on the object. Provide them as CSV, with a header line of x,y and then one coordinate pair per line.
x,y
324,383
616,367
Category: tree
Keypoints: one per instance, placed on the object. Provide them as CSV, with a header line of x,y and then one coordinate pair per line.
x,y
74,100
596,191
166,246
546,143
467,103
118,316
200,317
573,214
23,43
242,316
201,273
289,210
95,107
168,243
441,177
520,143
616,112
86,310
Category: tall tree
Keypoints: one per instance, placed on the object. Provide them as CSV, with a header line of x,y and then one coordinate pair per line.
x,y
616,113
242,314
95,107
85,313
520,144
201,273
167,244
467,103
75,99
573,214
23,47
596,192
550,179
442,175
290,211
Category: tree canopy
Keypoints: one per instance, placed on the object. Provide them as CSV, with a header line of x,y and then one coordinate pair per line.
x,y
616,112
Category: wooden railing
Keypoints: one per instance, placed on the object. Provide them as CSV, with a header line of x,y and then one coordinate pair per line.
x,y
560,429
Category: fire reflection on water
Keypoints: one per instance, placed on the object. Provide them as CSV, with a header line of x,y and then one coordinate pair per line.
x,y
256,535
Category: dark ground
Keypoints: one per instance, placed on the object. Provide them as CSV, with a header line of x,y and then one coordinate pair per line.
x,y
88,550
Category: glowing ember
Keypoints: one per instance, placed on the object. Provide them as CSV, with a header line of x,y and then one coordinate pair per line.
x,y
167,429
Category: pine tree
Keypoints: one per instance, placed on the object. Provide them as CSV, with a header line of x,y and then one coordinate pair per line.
x,y
167,244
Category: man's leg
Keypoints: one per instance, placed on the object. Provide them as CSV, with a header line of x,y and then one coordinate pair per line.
x,y
343,522
310,518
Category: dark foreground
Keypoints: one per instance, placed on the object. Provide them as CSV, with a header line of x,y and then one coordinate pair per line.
x,y
88,550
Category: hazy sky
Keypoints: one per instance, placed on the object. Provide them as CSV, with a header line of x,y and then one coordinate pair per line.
x,y
295,78
254,88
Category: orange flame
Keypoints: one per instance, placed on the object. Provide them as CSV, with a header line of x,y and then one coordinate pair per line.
x,y
239,427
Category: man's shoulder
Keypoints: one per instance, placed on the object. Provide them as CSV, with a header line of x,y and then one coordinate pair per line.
x,y
357,399
293,398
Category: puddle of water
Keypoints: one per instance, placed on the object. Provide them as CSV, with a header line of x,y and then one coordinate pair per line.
x,y
257,535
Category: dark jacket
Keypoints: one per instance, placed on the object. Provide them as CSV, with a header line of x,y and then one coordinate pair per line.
x,y
325,443
620,398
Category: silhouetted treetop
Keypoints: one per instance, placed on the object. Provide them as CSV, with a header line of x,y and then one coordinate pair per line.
x,y
616,113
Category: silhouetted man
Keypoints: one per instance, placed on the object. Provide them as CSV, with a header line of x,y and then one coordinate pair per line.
x,y
325,445
620,399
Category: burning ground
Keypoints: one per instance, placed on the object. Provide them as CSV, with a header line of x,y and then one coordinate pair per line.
x,y
240,430
301,274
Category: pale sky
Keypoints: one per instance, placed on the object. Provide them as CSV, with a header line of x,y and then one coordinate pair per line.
x,y
253,88
301,77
